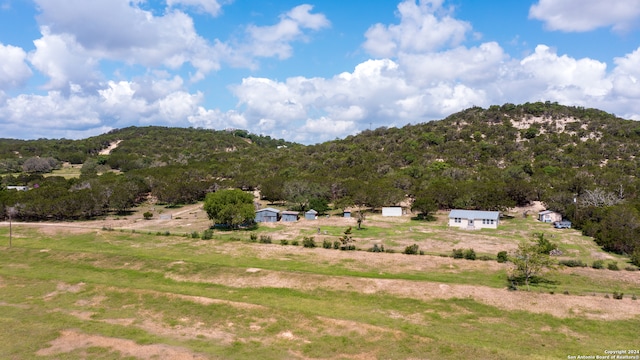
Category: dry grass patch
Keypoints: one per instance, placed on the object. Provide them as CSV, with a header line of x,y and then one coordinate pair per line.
x,y
72,340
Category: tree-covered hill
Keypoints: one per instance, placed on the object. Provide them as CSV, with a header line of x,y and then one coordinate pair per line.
x,y
579,161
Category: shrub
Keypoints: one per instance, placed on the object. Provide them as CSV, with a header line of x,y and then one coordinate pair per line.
x,y
470,254
295,242
390,251
634,297
613,266
566,292
598,264
485,258
630,268
572,263
635,257
253,237
147,215
336,244
308,242
411,250
195,235
166,233
207,234
326,244
284,242
544,245
265,239
376,248
458,253
618,295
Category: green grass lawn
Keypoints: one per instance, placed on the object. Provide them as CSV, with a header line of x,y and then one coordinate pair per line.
x,y
102,288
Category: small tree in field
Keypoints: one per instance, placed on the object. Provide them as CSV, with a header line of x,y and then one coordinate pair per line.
x,y
528,262
230,207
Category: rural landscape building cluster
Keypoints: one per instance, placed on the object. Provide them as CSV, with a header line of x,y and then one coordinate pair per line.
x,y
392,179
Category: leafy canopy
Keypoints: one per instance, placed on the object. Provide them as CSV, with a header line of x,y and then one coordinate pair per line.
x,y
230,207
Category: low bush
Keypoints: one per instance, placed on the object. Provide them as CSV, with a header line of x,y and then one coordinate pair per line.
x,y
485,258
147,215
412,250
195,235
336,244
618,295
295,242
572,263
326,244
457,253
376,248
265,239
470,254
253,237
308,242
613,266
207,234
284,242
502,257
598,264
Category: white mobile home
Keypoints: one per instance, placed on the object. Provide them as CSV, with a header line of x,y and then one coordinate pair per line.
x,y
474,219
549,216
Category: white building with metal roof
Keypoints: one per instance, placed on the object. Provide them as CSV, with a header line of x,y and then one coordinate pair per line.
x,y
474,219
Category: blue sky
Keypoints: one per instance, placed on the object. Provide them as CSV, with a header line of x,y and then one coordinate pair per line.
x,y
305,71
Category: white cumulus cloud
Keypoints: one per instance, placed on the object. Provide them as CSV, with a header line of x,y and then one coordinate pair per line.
x,y
14,71
424,26
586,15
275,40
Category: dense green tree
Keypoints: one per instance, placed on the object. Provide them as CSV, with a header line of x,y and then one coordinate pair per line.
x,y
619,230
272,189
425,205
230,207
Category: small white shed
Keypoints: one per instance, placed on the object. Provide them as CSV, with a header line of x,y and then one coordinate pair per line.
x,y
392,211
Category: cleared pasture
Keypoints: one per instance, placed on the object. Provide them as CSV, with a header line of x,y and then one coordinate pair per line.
x,y
114,289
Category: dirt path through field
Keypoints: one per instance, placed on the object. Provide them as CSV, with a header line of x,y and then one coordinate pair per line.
x,y
110,148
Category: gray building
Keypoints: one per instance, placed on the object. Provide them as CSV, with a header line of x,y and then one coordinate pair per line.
x,y
311,215
289,216
267,215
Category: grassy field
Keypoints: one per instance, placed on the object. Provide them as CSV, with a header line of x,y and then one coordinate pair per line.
x,y
122,288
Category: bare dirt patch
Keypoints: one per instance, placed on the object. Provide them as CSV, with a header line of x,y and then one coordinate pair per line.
x,y
65,288
110,148
71,340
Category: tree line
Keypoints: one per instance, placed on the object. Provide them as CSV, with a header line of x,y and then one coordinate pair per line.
x,y
578,161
